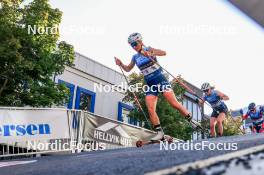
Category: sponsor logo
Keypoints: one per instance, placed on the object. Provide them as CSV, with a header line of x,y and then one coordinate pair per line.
x,y
107,133
23,130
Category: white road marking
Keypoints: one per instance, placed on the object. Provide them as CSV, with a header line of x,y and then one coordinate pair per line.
x,y
12,163
180,169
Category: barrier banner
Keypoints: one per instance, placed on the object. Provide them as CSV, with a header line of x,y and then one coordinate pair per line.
x,y
24,125
113,133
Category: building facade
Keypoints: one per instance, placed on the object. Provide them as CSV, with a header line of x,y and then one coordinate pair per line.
x,y
189,102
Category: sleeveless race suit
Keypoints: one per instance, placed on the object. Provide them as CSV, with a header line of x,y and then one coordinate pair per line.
x,y
217,104
256,117
153,75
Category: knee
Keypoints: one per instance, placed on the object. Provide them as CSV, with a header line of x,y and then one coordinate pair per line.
x,y
219,123
151,110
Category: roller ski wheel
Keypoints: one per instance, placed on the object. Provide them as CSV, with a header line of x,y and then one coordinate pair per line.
x,y
141,143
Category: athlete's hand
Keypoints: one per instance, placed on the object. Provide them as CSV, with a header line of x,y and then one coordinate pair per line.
x,y
147,53
118,61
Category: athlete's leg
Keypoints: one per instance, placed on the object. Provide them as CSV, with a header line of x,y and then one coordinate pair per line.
x,y
220,119
170,97
151,102
213,121
257,127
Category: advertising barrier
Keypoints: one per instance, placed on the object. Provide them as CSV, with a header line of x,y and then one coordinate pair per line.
x,y
112,133
20,125
27,131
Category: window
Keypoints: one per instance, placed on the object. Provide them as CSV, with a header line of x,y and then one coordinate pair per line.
x,y
195,112
195,136
125,117
199,114
85,99
190,106
184,103
123,112
71,87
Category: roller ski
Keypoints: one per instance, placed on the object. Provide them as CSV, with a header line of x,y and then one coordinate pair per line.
x,y
165,138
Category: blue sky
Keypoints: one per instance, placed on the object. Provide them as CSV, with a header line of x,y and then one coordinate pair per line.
x,y
205,40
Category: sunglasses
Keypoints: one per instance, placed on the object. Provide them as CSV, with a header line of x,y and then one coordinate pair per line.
x,y
134,44
205,91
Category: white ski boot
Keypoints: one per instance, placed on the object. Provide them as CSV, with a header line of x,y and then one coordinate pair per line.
x,y
159,136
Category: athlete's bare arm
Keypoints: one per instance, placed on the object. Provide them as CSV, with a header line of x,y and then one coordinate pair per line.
x,y
127,68
222,95
157,52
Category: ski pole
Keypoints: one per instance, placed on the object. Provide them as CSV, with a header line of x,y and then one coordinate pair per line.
x,y
136,99
176,79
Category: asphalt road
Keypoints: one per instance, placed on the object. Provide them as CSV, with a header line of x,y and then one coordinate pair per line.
x,y
128,161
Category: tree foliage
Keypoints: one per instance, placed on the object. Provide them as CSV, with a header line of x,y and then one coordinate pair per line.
x,y
171,120
232,126
29,61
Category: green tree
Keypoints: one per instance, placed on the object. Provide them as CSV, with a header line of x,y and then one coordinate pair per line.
x,y
171,120
232,126
29,61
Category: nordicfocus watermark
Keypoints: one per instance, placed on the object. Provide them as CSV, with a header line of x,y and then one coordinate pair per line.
x,y
56,29
59,145
199,146
199,30
124,87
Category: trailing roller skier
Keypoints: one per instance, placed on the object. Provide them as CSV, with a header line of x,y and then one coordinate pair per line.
x,y
215,98
256,115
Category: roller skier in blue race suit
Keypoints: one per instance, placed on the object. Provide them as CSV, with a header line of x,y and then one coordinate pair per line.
x,y
215,98
156,82
256,115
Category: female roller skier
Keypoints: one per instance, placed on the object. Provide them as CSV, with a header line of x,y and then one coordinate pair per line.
x,y
215,99
256,115
145,59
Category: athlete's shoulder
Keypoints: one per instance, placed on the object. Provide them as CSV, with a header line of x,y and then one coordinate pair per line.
x,y
215,92
134,57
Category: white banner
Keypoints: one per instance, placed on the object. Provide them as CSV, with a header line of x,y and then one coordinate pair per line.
x,y
24,125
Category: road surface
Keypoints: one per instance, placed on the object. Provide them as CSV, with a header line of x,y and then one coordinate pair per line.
x,y
127,161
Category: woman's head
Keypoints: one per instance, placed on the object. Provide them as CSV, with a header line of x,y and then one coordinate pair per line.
x,y
135,41
252,107
207,88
